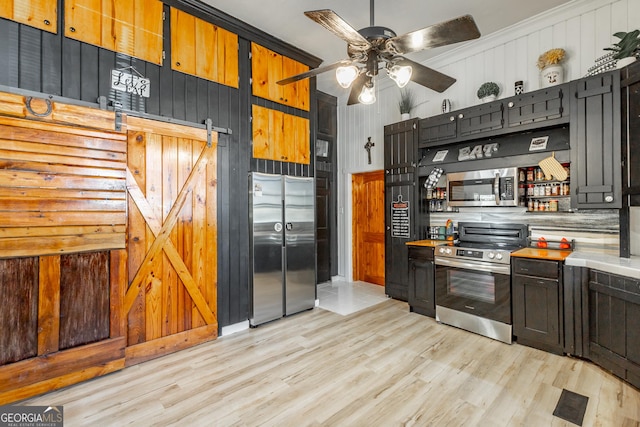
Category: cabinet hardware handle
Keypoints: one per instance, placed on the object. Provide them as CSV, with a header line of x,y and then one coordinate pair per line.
x,y
511,104
452,118
608,199
460,115
72,29
47,22
177,63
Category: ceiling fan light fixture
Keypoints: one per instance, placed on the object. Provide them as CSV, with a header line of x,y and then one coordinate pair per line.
x,y
346,75
401,74
368,94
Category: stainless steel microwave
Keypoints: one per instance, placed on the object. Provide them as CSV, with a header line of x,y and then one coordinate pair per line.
x,y
491,187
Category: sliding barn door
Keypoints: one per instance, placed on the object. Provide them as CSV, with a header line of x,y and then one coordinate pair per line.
x,y
172,238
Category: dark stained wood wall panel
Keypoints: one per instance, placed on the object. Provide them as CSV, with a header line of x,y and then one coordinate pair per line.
x,y
19,313
84,298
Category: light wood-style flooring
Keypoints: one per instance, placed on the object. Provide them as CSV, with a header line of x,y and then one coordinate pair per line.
x,y
381,366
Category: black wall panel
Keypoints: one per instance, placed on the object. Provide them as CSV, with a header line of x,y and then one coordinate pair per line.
x,y
9,34
51,64
30,49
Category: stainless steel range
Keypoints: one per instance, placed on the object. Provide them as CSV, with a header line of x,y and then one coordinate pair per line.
x,y
473,278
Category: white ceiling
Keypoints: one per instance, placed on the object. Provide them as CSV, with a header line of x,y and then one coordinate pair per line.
x,y
285,20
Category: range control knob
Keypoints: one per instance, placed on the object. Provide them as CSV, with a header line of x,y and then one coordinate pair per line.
x,y
448,251
441,250
498,255
491,255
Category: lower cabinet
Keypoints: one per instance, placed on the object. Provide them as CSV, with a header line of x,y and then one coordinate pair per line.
x,y
421,281
613,334
537,303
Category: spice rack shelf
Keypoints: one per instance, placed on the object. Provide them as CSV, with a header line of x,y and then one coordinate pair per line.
x,y
538,194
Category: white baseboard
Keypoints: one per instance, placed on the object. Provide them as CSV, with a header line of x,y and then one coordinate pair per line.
x,y
232,329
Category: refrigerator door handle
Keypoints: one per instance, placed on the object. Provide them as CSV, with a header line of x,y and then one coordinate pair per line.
x,y
289,226
277,227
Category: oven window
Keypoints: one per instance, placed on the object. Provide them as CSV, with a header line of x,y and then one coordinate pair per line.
x,y
472,285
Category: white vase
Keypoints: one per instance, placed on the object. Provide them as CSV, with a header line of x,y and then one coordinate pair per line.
x,y
621,63
489,98
551,75
405,116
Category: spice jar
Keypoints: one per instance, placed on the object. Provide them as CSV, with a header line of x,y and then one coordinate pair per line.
x,y
530,175
553,205
539,174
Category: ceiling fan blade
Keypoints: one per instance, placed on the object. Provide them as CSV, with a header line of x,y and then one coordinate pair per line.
x,y
448,32
338,26
427,77
314,72
356,88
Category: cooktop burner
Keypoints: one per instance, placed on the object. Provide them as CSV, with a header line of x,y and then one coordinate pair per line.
x,y
489,246
486,242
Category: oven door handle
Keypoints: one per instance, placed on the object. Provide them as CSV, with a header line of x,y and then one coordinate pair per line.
x,y
474,265
496,188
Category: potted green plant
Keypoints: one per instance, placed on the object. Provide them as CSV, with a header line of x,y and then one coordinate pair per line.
x,y
406,103
627,48
488,91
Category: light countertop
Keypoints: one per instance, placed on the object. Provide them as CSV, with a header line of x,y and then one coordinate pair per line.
x,y
628,267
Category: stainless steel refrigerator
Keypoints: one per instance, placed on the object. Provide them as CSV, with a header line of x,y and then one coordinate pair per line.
x,y
283,257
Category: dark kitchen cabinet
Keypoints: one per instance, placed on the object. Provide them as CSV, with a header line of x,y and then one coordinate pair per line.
x,y
438,130
421,281
613,325
630,99
478,120
595,129
630,89
400,152
531,110
537,303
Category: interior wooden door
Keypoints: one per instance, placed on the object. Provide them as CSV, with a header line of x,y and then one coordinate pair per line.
x,y
368,227
171,180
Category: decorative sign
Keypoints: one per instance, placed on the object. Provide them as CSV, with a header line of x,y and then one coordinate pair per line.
x,y
539,143
440,155
125,82
477,152
400,220
322,148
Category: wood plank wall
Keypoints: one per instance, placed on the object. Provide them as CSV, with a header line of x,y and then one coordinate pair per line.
x,y
61,189
62,240
52,64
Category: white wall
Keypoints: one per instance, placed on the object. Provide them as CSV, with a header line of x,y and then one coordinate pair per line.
x,y
581,27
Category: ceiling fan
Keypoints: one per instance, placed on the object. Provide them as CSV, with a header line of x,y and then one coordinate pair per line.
x,y
374,47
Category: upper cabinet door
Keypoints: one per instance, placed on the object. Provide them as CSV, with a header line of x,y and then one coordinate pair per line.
x,y
295,94
268,67
202,49
596,162
133,28
42,14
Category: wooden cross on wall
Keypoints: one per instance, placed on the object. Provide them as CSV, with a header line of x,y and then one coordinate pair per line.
x,y
368,146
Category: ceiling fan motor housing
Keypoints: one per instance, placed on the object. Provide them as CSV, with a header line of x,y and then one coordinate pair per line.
x,y
377,33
